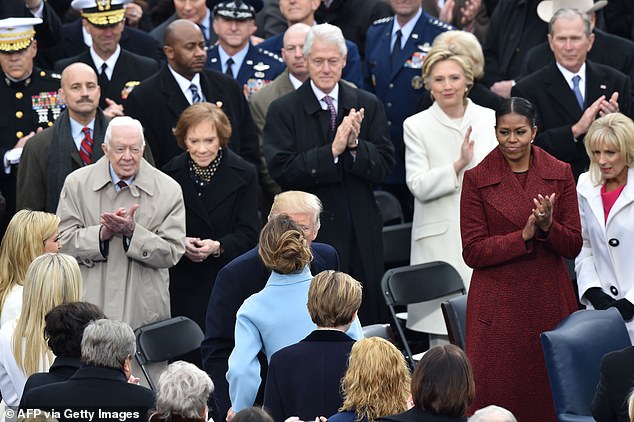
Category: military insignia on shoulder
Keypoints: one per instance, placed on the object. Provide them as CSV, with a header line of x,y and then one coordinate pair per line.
x,y
383,20
45,102
128,87
440,24
214,60
270,54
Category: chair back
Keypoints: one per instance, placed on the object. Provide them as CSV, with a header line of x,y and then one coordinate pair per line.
x,y
378,330
397,244
454,311
418,283
389,207
165,340
573,352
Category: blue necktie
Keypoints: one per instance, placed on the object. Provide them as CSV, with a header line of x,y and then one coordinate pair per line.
x,y
195,95
576,90
396,50
229,70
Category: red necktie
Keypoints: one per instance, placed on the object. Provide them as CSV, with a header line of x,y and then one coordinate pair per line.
x,y
85,149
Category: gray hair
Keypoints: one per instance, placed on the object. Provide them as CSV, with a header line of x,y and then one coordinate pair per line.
x,y
123,121
293,201
107,343
482,415
570,14
183,390
328,34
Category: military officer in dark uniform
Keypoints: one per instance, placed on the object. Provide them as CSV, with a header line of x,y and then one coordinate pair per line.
x,y
119,71
29,100
395,50
252,67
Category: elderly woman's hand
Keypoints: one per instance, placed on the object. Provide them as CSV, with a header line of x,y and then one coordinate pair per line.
x,y
197,250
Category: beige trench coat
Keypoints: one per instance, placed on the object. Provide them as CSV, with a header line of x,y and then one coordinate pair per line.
x,y
131,286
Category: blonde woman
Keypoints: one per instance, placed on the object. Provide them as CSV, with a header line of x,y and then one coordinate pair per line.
x,y
51,280
29,234
376,383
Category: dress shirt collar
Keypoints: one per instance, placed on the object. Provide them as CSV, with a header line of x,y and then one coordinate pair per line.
x,y
116,179
568,75
294,81
238,58
406,30
319,94
111,61
184,84
77,134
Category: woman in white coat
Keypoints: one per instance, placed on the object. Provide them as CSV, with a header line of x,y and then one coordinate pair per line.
x,y
605,266
453,135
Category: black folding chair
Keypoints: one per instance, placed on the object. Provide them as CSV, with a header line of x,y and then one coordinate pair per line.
x,y
455,313
418,283
396,244
165,340
389,206
378,330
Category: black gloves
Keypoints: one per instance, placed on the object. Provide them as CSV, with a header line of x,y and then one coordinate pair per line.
x,y
601,300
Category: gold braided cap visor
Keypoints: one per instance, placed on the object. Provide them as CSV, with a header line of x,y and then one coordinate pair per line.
x,y
104,18
16,41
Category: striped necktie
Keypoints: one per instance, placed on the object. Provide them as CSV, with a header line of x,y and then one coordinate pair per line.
x,y
85,149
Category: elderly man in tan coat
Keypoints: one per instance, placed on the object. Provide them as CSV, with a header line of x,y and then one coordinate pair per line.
x,y
124,221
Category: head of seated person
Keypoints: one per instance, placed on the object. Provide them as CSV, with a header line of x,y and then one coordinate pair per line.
x,y
109,344
333,300
492,413
182,393
283,247
252,414
65,324
442,383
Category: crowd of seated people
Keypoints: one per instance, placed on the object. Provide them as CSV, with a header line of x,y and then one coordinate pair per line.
x,y
503,128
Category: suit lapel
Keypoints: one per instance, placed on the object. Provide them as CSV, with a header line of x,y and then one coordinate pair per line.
x,y
560,92
596,84
176,99
625,198
313,108
193,202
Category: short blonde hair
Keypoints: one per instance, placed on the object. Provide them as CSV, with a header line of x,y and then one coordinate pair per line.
x,y
333,299
614,130
52,279
464,44
23,241
282,247
440,54
377,380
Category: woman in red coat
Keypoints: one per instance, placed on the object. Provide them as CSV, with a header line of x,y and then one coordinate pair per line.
x,y
519,218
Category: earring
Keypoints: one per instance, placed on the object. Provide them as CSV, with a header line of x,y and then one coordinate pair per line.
x,y
532,140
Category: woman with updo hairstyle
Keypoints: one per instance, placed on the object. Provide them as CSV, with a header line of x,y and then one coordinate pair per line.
x,y
466,45
220,190
442,387
28,235
519,219
275,317
52,279
606,205
441,143
376,383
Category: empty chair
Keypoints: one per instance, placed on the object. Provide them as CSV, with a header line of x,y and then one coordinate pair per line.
x,y
397,244
378,330
418,283
389,206
166,340
454,311
573,352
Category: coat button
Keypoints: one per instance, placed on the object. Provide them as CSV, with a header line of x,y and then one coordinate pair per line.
x,y
144,253
19,95
19,114
390,85
614,242
388,104
19,134
614,290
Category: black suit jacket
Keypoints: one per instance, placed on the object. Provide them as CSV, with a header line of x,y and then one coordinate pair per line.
x,y
61,370
158,103
294,388
238,280
226,211
297,146
558,109
416,415
129,70
72,44
92,387
615,385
